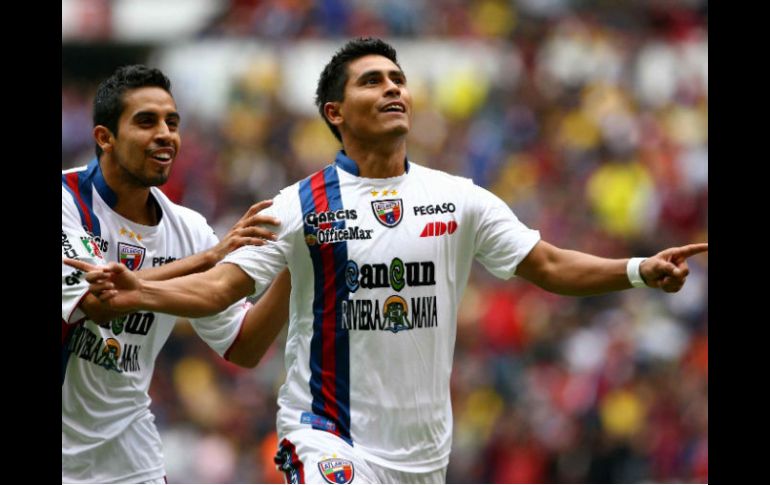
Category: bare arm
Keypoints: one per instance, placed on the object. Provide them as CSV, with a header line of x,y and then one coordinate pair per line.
x,y
248,230
195,295
574,273
263,323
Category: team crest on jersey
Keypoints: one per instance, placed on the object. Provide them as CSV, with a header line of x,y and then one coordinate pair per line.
x,y
130,255
389,212
336,470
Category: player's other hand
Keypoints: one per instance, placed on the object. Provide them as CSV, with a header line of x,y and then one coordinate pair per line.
x,y
668,269
113,283
249,230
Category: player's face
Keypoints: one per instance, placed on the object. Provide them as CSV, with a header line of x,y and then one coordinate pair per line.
x,y
377,101
148,136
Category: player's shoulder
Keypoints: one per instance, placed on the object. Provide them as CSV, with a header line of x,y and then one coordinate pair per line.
x,y
287,199
433,176
81,168
68,178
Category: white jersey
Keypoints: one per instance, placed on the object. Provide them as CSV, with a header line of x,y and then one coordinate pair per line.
x,y
378,267
108,434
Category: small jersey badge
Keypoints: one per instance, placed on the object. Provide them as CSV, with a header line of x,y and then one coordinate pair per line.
x,y
336,470
130,255
389,212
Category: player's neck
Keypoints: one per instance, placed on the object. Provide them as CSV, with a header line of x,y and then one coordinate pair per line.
x,y
377,161
133,201
137,206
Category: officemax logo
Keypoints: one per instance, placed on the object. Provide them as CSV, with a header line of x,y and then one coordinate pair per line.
x,y
438,228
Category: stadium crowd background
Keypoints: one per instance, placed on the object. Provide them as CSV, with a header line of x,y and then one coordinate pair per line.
x,y
588,117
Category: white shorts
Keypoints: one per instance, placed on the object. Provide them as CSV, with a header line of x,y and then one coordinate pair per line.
x,y
316,456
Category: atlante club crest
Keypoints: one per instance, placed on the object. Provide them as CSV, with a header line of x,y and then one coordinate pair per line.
x,y
336,470
388,212
130,255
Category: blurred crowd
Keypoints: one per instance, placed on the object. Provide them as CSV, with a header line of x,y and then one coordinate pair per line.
x,y
599,141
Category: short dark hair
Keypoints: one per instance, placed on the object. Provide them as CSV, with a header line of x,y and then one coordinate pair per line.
x,y
108,102
331,85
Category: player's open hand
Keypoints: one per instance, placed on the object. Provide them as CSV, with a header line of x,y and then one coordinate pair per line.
x,y
249,230
112,283
668,269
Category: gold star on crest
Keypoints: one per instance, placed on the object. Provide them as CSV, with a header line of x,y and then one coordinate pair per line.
x,y
123,231
374,193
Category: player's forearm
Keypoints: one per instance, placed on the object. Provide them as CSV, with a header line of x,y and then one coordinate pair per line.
x,y
581,274
196,295
195,263
263,323
98,311
573,273
187,296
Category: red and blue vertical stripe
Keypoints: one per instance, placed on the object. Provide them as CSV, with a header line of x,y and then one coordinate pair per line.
x,y
289,463
81,186
329,345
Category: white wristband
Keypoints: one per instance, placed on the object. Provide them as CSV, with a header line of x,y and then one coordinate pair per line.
x,y
634,276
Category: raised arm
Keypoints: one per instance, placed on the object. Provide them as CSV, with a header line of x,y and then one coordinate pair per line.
x,y
574,273
195,295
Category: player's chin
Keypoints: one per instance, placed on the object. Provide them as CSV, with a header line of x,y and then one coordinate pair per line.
x,y
156,179
399,128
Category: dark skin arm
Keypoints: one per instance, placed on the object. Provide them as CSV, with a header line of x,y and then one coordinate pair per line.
x,y
574,273
196,295
263,323
248,230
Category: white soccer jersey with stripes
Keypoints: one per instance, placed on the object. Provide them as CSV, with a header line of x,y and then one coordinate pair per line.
x,y
378,267
108,430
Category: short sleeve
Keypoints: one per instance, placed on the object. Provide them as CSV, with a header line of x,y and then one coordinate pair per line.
x,y
76,243
263,263
502,241
221,330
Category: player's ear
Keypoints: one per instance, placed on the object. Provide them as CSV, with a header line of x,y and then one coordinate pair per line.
x,y
104,138
333,112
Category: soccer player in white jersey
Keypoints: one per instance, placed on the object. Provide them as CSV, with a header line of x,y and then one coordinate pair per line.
x,y
112,211
379,248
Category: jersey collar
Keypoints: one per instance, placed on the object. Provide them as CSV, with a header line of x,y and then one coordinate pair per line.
x,y
347,164
95,173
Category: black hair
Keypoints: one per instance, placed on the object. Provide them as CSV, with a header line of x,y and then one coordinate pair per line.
x,y
331,85
108,102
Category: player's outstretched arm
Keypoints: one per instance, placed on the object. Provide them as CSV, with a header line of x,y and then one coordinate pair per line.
x,y
263,322
192,296
569,272
249,230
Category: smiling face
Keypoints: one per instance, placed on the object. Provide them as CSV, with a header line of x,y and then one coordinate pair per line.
x,y
147,139
376,100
